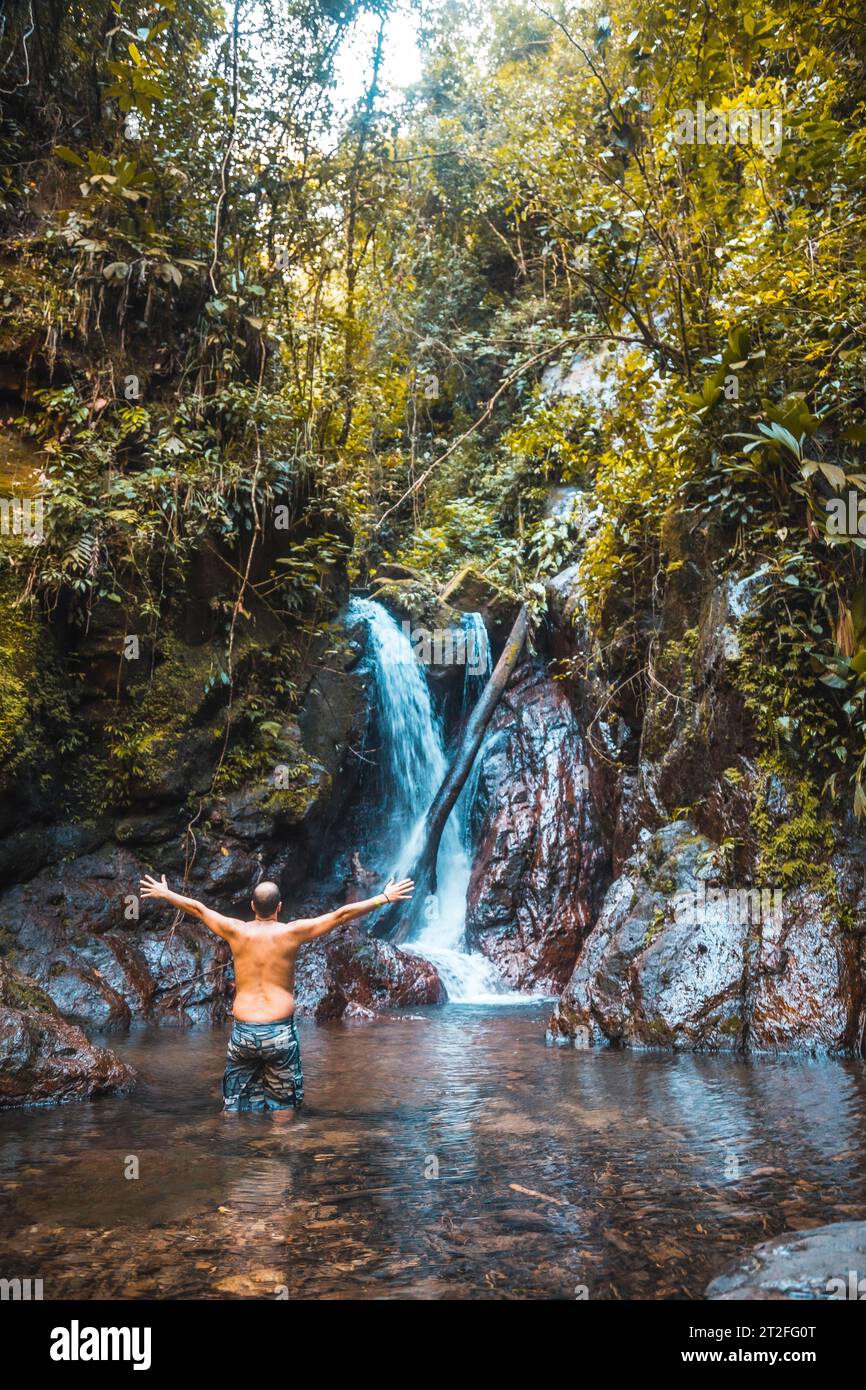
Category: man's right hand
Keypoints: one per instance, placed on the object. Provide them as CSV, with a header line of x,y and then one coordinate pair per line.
x,y
154,887
395,892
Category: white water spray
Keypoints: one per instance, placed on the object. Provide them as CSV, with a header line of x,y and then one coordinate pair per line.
x,y
412,764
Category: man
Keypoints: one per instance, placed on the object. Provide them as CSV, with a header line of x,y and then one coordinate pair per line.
x,y
263,1070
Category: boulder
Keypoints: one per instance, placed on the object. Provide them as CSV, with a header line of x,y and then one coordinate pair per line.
x,y
469,591
353,975
43,1058
825,1262
678,958
539,866
645,979
415,601
68,929
564,599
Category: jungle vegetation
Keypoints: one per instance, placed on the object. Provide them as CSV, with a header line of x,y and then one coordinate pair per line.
x,y
221,292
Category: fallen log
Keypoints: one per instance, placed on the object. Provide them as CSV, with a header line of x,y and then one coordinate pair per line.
x,y
397,921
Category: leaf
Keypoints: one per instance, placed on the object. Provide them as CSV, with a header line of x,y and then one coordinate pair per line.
x,y
785,437
64,152
169,274
833,474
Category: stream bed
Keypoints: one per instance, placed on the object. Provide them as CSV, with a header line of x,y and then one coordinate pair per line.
x,y
450,1154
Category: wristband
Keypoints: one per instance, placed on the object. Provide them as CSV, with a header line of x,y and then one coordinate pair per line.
x,y
386,901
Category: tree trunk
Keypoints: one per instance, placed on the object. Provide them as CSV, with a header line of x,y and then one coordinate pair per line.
x,y
396,922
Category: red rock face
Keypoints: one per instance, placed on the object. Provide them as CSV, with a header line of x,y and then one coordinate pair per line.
x,y
44,1059
353,975
539,866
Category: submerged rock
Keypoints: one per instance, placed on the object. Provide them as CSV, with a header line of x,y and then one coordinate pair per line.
x,y
43,1058
826,1262
539,864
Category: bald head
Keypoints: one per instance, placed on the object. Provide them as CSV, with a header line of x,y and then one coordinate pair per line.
x,y
266,899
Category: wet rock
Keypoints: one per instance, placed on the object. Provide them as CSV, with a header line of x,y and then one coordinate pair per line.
x,y
805,991
25,852
539,867
416,602
353,975
43,1058
471,592
826,1262
260,811
69,928
190,971
564,598
645,978
686,794
143,829
392,570
334,713
679,959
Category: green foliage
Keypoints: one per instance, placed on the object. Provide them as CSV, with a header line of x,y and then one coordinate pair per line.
x,y
404,325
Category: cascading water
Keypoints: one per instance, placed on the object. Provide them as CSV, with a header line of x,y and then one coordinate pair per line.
x,y
478,666
411,761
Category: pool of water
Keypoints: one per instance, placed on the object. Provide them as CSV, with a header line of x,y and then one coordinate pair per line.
x,y
446,1155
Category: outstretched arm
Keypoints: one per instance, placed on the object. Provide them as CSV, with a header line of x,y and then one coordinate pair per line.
x,y
158,888
311,927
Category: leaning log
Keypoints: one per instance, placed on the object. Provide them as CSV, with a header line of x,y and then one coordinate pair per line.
x,y
397,921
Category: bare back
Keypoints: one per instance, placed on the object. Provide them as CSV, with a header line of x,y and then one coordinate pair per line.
x,y
265,949
264,956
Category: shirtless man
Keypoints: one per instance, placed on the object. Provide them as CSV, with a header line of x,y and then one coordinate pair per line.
x,y
263,1070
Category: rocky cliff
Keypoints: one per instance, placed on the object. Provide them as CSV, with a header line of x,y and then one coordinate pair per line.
x,y
734,916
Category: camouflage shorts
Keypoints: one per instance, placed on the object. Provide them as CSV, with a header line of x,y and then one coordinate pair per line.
x,y
263,1067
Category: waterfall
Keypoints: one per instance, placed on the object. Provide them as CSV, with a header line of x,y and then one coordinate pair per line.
x,y
411,762
478,666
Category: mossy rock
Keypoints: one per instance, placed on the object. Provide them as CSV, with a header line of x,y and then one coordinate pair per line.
x,y
416,602
18,991
470,591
